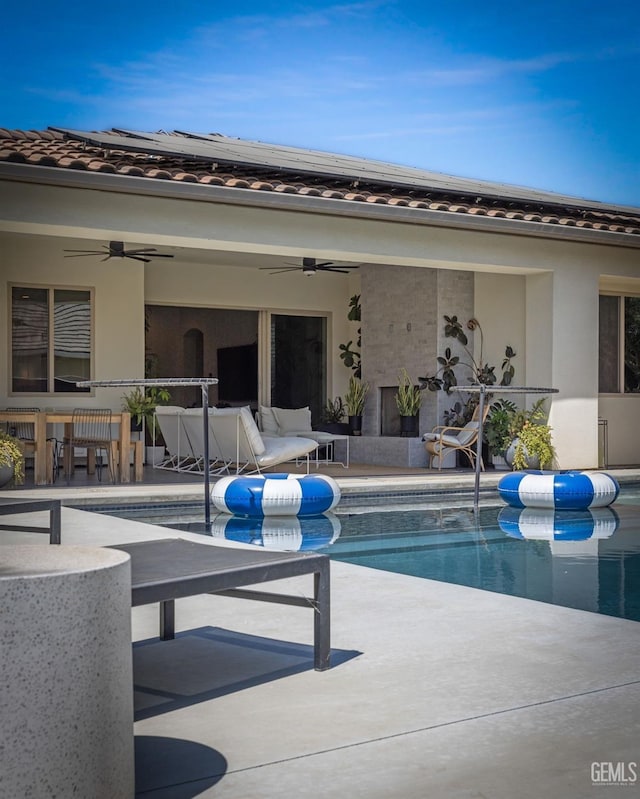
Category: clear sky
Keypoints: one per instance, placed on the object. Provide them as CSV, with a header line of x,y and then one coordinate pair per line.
x,y
541,94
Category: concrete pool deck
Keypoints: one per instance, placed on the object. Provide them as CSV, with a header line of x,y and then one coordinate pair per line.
x,y
436,690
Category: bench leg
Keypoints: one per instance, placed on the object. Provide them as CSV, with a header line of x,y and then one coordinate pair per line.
x,y
55,523
167,620
322,619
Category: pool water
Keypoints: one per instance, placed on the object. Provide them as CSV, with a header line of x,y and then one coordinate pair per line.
x,y
601,575
585,560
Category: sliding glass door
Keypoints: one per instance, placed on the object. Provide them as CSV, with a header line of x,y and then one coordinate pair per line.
x,y
299,362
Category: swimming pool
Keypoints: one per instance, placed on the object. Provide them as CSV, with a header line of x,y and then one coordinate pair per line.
x,y
586,562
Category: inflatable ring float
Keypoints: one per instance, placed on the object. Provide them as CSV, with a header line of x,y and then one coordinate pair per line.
x,y
548,524
570,490
275,494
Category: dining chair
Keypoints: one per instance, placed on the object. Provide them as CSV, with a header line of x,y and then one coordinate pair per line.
x,y
91,430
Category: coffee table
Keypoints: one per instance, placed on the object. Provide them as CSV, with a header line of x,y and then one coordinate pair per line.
x,y
173,568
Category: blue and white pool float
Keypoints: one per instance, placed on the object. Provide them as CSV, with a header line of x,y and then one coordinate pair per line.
x,y
549,524
276,494
279,533
570,490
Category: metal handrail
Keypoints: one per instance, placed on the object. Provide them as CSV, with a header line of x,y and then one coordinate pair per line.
x,y
483,390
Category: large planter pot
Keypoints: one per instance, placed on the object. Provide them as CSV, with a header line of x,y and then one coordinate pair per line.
x,y
355,425
6,475
532,460
408,426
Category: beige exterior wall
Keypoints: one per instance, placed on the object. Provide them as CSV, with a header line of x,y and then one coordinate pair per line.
x,y
118,313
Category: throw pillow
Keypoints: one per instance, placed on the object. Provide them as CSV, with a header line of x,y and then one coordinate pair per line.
x,y
292,420
268,423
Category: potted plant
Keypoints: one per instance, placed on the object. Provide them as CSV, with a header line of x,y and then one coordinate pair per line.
x,y
497,429
142,404
408,402
445,377
352,358
11,460
354,402
529,439
332,417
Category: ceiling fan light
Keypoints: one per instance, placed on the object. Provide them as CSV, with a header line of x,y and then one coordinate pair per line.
x,y
309,271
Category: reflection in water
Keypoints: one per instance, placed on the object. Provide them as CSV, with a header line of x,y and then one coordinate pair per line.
x,y
549,524
282,533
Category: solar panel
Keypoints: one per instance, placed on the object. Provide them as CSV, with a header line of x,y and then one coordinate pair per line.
x,y
226,150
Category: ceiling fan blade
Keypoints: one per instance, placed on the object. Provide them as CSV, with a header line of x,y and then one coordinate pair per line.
x,y
324,264
333,269
160,255
138,258
280,271
83,252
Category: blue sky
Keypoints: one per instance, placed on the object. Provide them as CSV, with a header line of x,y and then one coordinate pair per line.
x,y
541,94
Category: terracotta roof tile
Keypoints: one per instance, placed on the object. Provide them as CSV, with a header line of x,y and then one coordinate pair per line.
x,y
116,154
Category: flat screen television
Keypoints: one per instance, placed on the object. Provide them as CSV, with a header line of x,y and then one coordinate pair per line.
x,y
238,373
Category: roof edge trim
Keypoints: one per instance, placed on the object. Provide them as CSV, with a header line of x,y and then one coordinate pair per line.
x,y
53,176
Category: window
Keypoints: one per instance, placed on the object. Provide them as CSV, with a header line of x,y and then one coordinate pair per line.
x,y
50,339
619,355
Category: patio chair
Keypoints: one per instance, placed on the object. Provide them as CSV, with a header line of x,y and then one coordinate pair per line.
x,y
180,457
273,421
91,430
445,440
239,441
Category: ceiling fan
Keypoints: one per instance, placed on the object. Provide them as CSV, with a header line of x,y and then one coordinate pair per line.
x,y
116,249
310,267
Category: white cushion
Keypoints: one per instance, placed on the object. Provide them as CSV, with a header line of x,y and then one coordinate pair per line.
x,y
169,409
467,432
284,448
292,420
268,423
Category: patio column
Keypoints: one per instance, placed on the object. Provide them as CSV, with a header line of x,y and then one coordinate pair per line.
x,y
562,351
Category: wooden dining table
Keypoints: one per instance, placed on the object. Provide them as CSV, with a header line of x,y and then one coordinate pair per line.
x,y
40,420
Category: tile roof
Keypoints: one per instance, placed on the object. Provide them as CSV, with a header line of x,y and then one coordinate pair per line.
x,y
215,160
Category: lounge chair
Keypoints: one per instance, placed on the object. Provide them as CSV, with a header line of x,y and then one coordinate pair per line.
x,y
239,442
273,421
180,456
193,426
